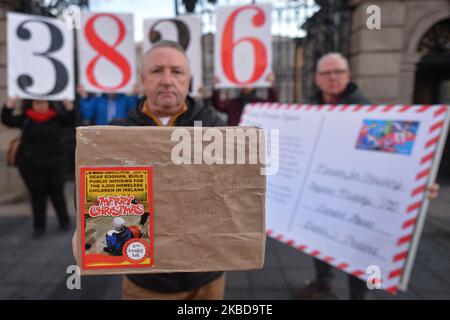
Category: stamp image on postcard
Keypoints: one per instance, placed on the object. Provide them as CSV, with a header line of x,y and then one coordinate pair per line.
x,y
388,136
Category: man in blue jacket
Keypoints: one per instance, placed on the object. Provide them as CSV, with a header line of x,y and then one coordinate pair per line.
x,y
108,108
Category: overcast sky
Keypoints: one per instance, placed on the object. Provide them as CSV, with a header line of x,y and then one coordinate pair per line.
x,y
165,8
140,8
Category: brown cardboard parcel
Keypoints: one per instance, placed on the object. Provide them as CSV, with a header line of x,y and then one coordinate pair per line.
x,y
206,217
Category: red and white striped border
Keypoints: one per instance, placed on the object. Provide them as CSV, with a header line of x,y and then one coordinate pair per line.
x,y
417,192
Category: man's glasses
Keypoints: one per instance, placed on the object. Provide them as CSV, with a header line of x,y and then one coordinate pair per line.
x,y
337,72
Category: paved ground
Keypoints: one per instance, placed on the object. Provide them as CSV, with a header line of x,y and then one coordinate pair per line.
x,y
37,269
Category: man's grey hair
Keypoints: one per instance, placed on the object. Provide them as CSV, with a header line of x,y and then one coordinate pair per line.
x,y
332,55
164,44
167,44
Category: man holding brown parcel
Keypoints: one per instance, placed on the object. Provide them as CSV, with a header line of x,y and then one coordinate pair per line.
x,y
165,78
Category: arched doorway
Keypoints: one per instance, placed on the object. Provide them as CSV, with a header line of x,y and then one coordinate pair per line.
x,y
432,85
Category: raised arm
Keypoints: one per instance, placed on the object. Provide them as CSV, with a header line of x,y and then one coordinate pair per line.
x,y
8,119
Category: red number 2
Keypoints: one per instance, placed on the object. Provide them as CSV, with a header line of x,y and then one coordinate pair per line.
x,y
228,45
104,50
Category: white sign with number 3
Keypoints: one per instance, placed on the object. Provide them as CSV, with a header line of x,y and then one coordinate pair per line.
x,y
40,58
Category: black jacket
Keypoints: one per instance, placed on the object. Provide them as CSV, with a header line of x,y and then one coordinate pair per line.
x,y
197,111
179,281
352,95
41,144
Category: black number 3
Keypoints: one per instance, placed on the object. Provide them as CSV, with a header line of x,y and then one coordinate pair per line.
x,y
61,75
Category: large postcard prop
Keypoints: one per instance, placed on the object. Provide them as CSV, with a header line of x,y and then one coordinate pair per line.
x,y
40,58
141,210
184,30
242,46
351,185
106,52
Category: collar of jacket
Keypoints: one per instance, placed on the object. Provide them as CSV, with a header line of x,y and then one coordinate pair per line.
x,y
146,110
137,117
350,90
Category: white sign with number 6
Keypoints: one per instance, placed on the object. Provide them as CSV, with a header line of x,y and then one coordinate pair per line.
x,y
243,46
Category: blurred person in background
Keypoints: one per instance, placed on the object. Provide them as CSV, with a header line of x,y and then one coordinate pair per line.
x,y
234,107
333,78
40,157
107,108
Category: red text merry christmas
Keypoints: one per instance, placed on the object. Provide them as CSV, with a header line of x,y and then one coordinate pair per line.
x,y
116,206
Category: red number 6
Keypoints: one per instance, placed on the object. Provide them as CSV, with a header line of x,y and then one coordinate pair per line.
x,y
228,45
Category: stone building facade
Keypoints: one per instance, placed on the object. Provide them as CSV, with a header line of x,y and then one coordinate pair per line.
x,y
384,62
11,185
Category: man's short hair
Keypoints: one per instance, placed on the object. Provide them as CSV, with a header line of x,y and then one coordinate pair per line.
x,y
164,44
332,54
167,44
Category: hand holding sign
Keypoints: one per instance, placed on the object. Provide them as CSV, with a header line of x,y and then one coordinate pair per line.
x,y
433,191
81,91
68,105
12,102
